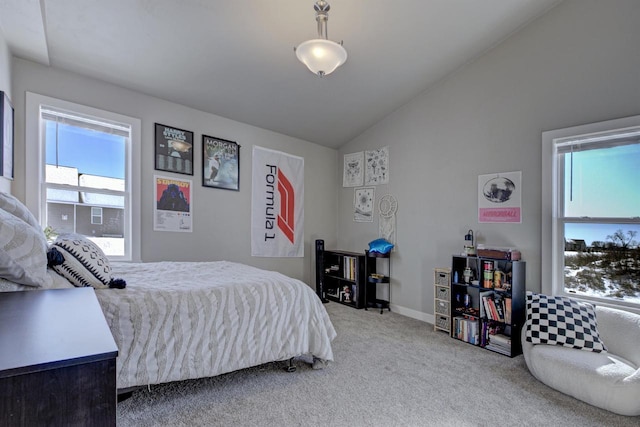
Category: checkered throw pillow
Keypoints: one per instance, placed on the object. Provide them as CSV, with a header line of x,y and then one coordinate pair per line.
x,y
562,321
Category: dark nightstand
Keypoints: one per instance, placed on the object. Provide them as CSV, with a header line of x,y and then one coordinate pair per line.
x,y
57,359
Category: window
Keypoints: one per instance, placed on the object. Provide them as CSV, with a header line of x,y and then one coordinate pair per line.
x,y
96,216
591,212
87,184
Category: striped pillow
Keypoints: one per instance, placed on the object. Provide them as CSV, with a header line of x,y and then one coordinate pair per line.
x,y
23,252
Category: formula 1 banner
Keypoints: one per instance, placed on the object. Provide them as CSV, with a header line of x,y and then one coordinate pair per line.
x,y
277,204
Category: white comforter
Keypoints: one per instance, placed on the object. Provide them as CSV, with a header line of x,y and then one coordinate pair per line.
x,y
181,320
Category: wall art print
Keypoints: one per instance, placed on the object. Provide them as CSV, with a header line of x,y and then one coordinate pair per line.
x,y
376,166
173,204
220,163
363,203
353,172
500,197
174,149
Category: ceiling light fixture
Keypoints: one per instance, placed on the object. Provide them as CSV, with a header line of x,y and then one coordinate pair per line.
x,y
321,56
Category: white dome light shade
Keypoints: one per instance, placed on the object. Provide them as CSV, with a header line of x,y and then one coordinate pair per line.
x,y
321,56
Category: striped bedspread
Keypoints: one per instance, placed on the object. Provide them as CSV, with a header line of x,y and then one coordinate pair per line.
x,y
181,320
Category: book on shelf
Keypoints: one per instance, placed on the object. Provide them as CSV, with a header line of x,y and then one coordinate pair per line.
x,y
499,349
488,302
494,306
466,330
485,310
498,302
507,310
349,270
500,340
493,338
489,329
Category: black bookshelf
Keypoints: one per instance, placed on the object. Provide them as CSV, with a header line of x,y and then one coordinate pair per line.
x,y
488,308
343,277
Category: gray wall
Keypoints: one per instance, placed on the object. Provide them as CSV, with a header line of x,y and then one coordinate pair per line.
x,y
5,86
221,218
577,64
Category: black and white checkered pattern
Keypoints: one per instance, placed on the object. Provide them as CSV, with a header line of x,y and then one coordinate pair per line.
x,y
562,321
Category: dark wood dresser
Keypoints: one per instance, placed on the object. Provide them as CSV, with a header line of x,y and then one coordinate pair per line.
x,y
57,360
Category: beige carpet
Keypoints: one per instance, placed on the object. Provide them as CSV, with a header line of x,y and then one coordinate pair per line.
x,y
390,370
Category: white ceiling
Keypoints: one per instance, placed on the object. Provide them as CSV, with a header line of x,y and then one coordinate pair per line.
x,y
235,58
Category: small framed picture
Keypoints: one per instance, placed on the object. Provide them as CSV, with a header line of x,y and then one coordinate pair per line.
x,y
353,172
6,136
363,204
174,149
220,163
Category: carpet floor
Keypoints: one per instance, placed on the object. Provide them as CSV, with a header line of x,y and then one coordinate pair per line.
x,y
389,370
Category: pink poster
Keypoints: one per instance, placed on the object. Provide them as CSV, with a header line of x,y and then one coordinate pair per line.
x,y
500,197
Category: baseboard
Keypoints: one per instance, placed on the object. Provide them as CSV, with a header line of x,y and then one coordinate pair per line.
x,y
414,314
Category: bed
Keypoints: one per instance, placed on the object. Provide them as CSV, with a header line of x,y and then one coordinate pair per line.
x,y
181,320
173,320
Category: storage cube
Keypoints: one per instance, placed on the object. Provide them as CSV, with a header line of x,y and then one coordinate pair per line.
x,y
442,307
442,322
442,292
442,277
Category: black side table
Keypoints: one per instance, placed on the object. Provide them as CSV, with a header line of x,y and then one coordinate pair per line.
x,y
57,359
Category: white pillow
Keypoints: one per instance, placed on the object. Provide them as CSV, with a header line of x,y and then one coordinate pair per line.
x,y
84,263
15,207
23,252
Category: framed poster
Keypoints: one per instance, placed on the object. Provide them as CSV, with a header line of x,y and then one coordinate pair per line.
x,y
500,197
363,201
220,163
6,136
173,204
376,166
353,172
174,149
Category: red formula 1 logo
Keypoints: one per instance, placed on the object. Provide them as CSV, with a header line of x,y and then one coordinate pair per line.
x,y
287,206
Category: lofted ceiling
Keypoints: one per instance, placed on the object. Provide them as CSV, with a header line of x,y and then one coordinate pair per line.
x,y
235,58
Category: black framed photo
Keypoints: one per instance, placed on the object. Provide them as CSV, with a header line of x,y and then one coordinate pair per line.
x,y
174,149
220,163
6,136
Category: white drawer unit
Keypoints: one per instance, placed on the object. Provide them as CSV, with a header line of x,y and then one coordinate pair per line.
x,y
442,300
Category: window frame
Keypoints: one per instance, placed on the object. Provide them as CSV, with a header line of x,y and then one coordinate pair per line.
x,y
552,241
35,194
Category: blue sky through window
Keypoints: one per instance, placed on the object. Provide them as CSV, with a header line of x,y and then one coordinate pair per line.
x,y
92,152
602,183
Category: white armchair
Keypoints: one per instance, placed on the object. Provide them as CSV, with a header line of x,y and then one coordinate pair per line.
x,y
609,380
